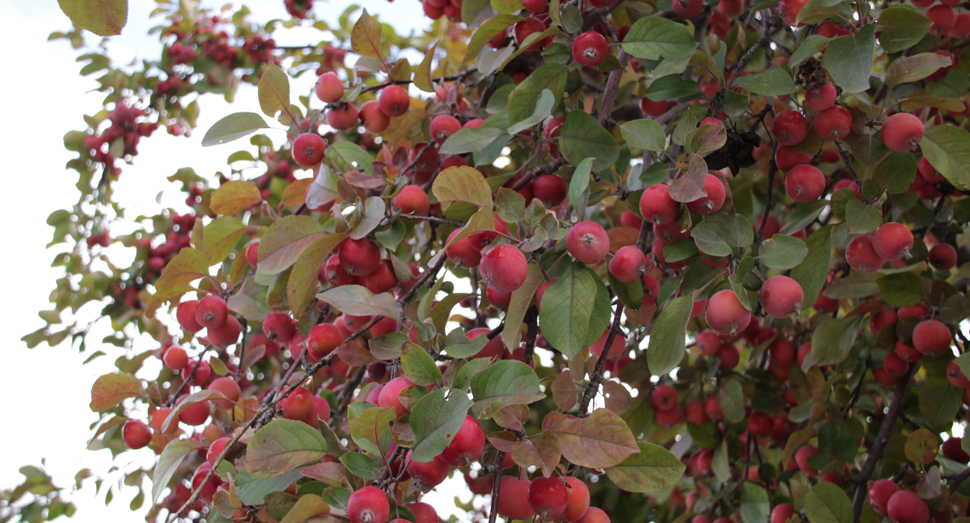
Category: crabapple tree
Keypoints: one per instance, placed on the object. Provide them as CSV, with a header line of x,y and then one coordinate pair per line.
x,y
600,261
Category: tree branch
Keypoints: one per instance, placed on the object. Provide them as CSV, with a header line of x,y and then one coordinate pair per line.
x,y
612,87
594,381
875,453
496,486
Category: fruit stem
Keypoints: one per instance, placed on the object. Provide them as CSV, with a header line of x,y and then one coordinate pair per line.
x,y
594,381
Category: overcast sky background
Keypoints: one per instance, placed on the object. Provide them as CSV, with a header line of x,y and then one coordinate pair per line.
x,y
47,390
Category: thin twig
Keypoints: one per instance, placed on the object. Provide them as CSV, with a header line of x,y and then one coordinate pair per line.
x,y
594,381
496,486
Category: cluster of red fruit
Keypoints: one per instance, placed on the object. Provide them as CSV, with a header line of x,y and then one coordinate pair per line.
x,y
120,139
298,8
435,9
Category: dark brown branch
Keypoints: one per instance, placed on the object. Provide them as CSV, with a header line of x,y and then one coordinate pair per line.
x,y
532,331
959,479
451,78
496,486
875,453
597,378
847,159
348,392
612,88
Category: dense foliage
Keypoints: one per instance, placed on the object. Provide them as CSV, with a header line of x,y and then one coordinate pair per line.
x,y
636,261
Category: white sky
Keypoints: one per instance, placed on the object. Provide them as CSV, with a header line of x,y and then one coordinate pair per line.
x,y
47,390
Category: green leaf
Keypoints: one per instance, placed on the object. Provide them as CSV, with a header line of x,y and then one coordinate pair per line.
x,y
710,237
667,339
283,445
783,252
896,173
903,289
940,401
740,233
373,213
234,196
754,503
600,440
422,76
101,17
907,69
169,462
519,304
371,429
575,310
419,366
835,440
644,134
506,382
649,471
814,269
947,148
364,467
579,186
365,38
285,241
111,389
543,109
861,218
811,45
730,397
525,97
233,127
581,137
274,91
849,59
488,30
351,156
902,27
254,491
356,300
652,38
506,6
828,503
435,419
770,82
855,285
679,250
303,278
672,87
470,140
832,341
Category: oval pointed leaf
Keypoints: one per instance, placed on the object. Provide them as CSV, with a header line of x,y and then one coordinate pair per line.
x,y
849,59
649,471
356,300
506,382
601,440
577,306
234,196
542,451
667,339
435,420
644,134
653,38
581,137
783,252
101,17
303,278
283,445
947,148
233,127
285,241
169,462
828,503
365,38
273,91
110,389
